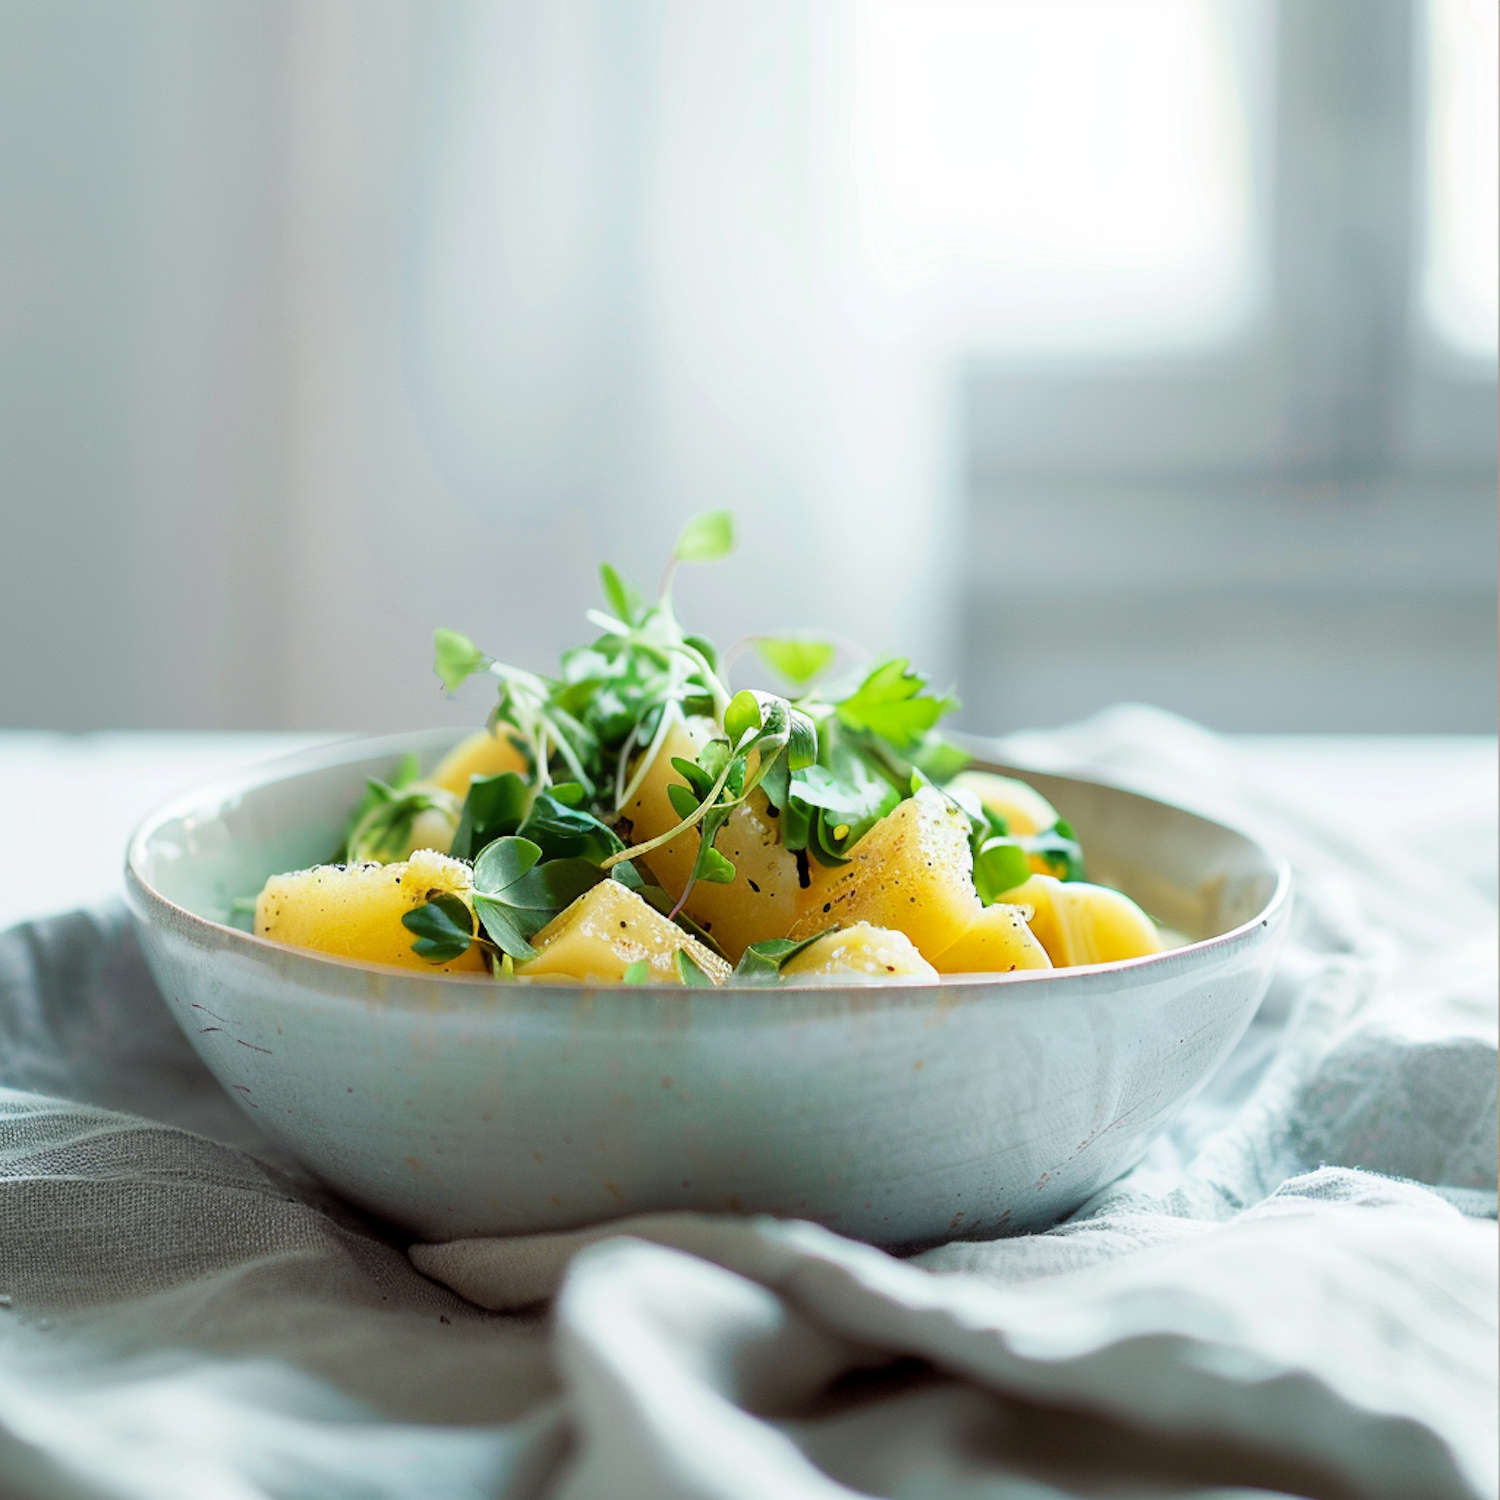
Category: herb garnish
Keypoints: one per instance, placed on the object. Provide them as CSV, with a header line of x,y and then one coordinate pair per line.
x,y
830,761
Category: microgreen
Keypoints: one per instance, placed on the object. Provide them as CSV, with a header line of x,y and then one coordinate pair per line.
x,y
706,538
493,808
382,833
444,928
829,764
689,971
456,658
637,973
622,597
516,895
1000,864
799,660
763,962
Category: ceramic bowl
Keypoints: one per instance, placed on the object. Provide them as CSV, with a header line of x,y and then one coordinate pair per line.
x,y
898,1114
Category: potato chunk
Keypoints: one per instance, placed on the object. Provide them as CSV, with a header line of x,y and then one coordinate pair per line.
x,y
997,941
1025,810
607,929
761,901
912,871
1078,923
482,754
355,911
875,952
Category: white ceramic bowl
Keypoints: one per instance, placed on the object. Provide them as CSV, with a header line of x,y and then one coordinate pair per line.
x,y
898,1114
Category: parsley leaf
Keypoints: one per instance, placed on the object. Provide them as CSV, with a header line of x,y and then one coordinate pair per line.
x,y
891,702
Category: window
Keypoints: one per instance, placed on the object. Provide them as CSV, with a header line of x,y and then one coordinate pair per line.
x,y
1289,523
1462,239
1071,176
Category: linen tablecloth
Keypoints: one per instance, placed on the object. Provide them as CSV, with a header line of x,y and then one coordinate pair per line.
x,y
1293,1294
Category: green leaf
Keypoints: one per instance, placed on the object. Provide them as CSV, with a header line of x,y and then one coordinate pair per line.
x,y
941,759
455,657
383,834
706,649
516,894
504,863
712,866
684,801
511,913
891,702
505,929
406,772
763,962
742,717
776,782
621,597
443,927
706,538
799,659
802,741
637,973
563,832
999,866
690,972
494,808
699,778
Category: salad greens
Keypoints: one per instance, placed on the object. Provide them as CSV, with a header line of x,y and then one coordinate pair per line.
x,y
831,760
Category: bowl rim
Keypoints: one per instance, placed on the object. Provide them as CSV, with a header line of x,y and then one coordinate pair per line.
x,y
142,894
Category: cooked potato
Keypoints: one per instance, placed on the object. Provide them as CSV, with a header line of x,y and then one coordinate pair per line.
x,y
997,941
912,871
878,952
355,911
1024,809
482,754
607,929
761,901
1078,923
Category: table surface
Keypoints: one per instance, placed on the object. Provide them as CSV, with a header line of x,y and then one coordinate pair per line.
x,y
68,802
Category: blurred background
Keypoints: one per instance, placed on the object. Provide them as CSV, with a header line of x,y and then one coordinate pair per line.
x,y
1085,351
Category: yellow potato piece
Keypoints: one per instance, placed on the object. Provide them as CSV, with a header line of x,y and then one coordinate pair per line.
x,y
912,871
998,941
482,754
877,952
1078,923
761,902
607,929
355,911
1024,809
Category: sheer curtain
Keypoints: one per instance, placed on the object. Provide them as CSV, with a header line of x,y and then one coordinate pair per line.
x,y
559,276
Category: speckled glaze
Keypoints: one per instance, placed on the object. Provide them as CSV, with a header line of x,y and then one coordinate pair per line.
x,y
899,1114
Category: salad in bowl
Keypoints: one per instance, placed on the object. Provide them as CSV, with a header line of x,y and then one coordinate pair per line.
x,y
634,820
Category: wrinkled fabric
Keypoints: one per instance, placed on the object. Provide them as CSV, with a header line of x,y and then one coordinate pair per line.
x,y
1293,1294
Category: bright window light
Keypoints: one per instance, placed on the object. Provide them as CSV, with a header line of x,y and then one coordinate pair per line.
x,y
1462,263
1071,175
